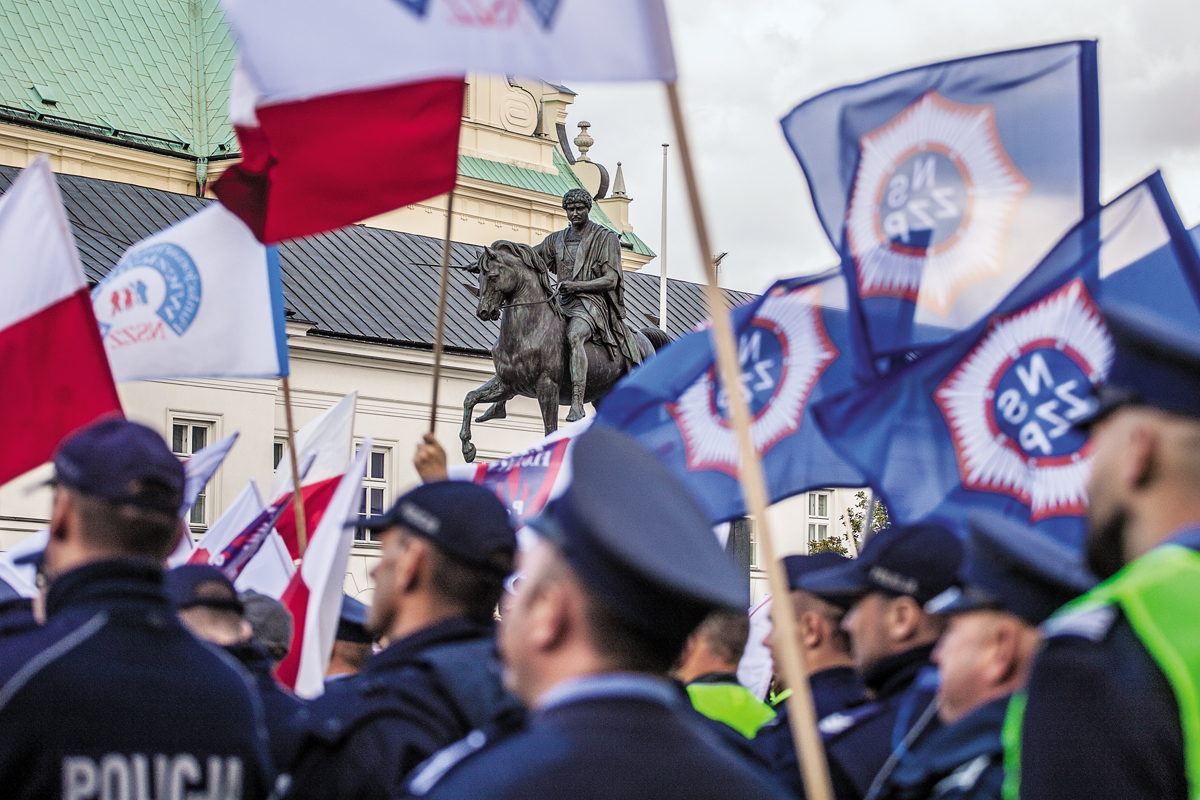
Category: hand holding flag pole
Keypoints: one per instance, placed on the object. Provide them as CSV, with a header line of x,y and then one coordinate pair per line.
x,y
802,715
443,288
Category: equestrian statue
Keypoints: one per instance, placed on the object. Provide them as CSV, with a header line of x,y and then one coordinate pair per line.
x,y
561,306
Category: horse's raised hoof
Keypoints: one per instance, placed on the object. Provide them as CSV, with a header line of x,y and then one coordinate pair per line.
x,y
468,452
576,412
497,411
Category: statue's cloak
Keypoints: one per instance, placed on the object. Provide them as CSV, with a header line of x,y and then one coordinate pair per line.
x,y
598,254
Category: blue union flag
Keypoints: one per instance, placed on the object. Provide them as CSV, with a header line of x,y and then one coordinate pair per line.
x,y
943,185
987,419
795,346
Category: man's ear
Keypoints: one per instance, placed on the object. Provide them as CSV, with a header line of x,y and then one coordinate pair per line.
x,y
551,616
903,618
62,510
812,629
1138,467
411,564
1004,664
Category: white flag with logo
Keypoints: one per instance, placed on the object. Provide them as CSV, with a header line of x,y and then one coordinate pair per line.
x,y
201,299
295,49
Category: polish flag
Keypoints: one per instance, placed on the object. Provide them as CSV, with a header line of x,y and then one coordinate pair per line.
x,y
348,110
56,376
329,441
314,596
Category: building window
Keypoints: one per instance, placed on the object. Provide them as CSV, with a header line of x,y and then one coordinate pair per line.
x,y
753,529
278,455
189,437
818,515
374,492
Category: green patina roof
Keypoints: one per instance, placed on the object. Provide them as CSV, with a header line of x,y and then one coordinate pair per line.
x,y
158,69
543,182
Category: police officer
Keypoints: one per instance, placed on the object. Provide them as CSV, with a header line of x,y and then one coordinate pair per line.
x,y
624,567
1013,579
351,644
827,657
209,607
708,667
1111,709
112,694
891,637
446,548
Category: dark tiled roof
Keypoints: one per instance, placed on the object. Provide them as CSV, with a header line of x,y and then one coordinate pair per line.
x,y
359,282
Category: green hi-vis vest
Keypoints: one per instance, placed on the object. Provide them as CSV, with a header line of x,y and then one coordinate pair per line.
x,y
1159,594
732,704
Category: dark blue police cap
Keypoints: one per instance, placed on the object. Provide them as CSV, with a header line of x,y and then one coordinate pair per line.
x,y
920,561
640,541
123,462
1155,364
800,565
1008,566
463,519
352,622
200,585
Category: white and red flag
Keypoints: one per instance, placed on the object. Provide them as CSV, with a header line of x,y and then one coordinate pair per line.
x,y
329,442
347,110
314,596
55,374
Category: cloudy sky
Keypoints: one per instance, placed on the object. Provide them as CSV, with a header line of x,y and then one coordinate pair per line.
x,y
745,63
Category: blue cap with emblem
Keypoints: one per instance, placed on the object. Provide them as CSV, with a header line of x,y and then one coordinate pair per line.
x,y
640,541
352,622
1155,364
122,462
1008,566
920,561
463,519
797,566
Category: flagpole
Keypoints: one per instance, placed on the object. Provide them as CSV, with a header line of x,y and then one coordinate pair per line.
x,y
662,251
297,495
443,289
802,715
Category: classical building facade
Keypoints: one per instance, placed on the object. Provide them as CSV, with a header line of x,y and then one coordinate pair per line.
x,y
129,103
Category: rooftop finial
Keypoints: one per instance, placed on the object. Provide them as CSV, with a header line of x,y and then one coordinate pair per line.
x,y
619,183
583,141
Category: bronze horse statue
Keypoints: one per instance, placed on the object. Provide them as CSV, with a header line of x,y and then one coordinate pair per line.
x,y
531,355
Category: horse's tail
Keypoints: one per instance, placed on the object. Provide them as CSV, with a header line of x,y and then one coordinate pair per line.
x,y
658,337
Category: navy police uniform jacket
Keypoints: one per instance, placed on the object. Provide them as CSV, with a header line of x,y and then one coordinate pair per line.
x,y
16,617
1101,720
280,707
114,695
607,736
834,690
859,742
415,697
961,761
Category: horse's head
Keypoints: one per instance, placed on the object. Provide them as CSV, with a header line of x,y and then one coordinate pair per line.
x,y
503,269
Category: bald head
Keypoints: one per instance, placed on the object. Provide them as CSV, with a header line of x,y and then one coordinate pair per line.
x,y
1145,484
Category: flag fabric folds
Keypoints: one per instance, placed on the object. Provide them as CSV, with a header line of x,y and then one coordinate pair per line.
x,y
200,299
795,346
326,445
240,513
526,480
942,186
314,596
198,471
351,110
56,376
986,420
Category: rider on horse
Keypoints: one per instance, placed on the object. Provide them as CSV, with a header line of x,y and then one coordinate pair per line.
x,y
586,258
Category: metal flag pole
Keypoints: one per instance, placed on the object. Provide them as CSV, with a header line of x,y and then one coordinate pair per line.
x,y
662,251
294,457
801,713
443,288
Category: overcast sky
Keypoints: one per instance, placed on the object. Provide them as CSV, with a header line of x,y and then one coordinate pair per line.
x,y
745,63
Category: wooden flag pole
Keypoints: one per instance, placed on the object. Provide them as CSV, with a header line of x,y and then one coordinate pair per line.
x,y
801,714
443,289
294,457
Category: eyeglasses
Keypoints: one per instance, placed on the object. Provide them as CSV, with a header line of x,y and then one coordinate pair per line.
x,y
512,582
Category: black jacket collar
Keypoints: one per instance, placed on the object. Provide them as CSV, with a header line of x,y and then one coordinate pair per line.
x,y
892,675
116,581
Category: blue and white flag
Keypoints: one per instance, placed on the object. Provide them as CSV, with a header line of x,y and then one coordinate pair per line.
x,y
986,420
942,186
201,299
794,344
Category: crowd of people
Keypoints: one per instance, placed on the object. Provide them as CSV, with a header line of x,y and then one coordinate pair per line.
x,y
1001,664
